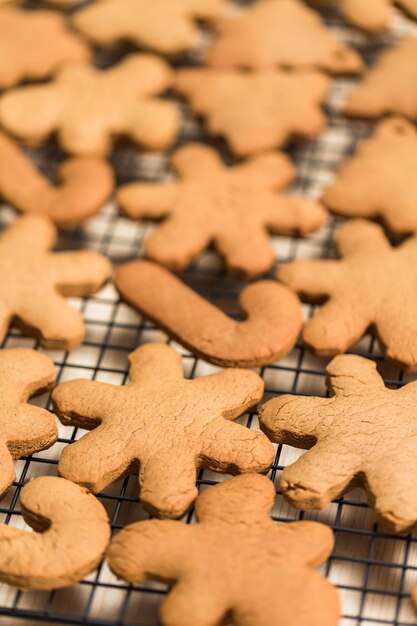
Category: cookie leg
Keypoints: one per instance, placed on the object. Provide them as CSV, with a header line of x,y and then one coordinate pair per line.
x,y
31,429
194,604
167,482
399,340
320,475
154,124
247,249
232,448
96,460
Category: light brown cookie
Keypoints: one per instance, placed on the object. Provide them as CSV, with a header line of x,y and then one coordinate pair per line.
x,y
269,331
389,86
257,111
166,26
85,185
380,181
232,206
23,53
373,285
24,428
283,33
34,281
372,16
365,434
88,107
236,561
71,535
168,424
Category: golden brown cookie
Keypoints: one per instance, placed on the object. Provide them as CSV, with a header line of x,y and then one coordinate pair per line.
x,y
85,184
236,561
380,181
23,53
34,281
117,101
269,331
166,26
168,424
283,33
24,428
389,86
232,206
372,16
372,285
365,434
257,111
71,535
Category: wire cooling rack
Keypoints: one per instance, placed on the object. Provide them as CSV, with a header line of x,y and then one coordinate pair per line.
x,y
373,570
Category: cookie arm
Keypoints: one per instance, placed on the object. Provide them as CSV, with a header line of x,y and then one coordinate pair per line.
x,y
288,214
294,420
17,109
24,372
311,542
313,279
231,448
272,170
84,403
152,123
147,200
150,549
229,393
78,273
349,375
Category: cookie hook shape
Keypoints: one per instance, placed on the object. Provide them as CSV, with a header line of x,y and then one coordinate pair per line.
x,y
235,561
269,332
71,535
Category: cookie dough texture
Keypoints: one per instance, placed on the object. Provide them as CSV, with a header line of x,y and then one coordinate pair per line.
x,y
372,285
85,183
88,107
256,111
233,206
72,532
34,282
268,332
389,86
165,26
168,424
372,16
24,428
23,53
364,434
284,33
235,561
379,181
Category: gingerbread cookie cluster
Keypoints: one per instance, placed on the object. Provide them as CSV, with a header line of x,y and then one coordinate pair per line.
x,y
262,86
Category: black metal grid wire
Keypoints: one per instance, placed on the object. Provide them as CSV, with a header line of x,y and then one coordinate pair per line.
x,y
373,570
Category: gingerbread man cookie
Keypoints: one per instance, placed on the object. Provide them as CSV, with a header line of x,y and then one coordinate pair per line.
x,y
232,206
379,181
373,285
166,26
365,434
24,428
34,281
71,535
116,101
256,111
372,16
86,183
389,86
283,33
168,424
235,562
23,53
273,315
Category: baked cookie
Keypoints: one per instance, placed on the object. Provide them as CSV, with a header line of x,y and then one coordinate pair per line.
x,y
34,281
232,206
257,111
379,181
24,428
71,535
117,101
373,285
166,26
389,86
372,16
23,53
269,331
365,434
168,424
284,33
236,561
85,185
